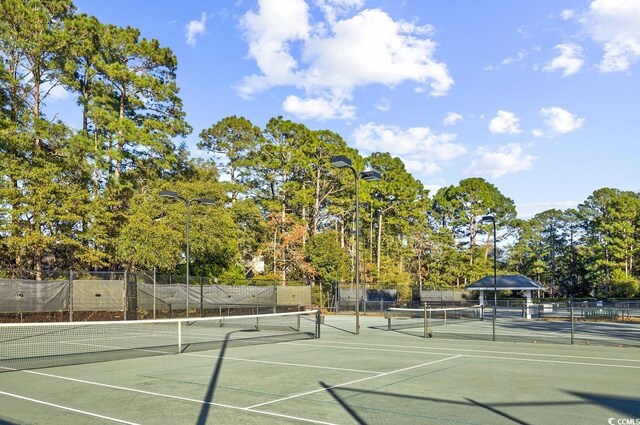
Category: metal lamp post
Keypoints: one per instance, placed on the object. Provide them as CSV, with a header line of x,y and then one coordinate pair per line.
x,y
492,219
340,161
188,203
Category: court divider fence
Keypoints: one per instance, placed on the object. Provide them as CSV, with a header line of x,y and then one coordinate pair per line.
x,y
79,296
571,323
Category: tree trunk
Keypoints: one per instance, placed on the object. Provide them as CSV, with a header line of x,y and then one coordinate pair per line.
x,y
379,244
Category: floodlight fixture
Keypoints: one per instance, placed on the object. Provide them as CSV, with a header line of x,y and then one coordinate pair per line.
x,y
487,219
205,201
340,161
370,176
169,194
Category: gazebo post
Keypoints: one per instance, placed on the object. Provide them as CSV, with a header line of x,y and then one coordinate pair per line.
x,y
481,298
528,304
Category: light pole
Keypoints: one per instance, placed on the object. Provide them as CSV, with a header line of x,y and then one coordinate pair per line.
x,y
187,202
492,219
340,161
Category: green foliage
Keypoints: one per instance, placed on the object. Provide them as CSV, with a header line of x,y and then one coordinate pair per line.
x,y
88,198
329,261
233,139
622,285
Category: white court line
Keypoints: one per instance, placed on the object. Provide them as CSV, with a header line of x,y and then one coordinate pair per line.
x,y
352,382
284,364
476,356
471,350
174,397
58,406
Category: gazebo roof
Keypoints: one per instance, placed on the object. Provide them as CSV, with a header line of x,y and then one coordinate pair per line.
x,y
505,282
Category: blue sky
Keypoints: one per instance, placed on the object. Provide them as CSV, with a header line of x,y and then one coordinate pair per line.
x,y
539,97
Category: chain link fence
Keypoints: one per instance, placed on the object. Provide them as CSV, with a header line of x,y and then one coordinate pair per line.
x,y
583,323
380,297
79,296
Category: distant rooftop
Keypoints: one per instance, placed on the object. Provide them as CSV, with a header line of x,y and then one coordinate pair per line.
x,y
505,282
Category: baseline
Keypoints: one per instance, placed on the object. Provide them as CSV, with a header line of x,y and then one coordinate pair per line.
x,y
70,409
418,350
175,397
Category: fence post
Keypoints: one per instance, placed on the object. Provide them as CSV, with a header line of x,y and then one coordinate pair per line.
x,y
154,292
125,293
572,322
426,321
318,322
71,295
201,298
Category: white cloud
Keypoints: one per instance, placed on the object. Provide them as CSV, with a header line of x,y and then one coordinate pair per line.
x,y
331,58
615,24
320,108
194,28
54,93
334,8
521,55
422,167
567,14
537,133
569,61
452,118
383,104
504,122
560,120
433,189
419,147
511,59
372,48
506,159
393,139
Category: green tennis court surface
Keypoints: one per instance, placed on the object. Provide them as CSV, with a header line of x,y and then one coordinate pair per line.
x,y
377,377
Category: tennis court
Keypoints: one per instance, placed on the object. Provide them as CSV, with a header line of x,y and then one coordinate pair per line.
x,y
376,377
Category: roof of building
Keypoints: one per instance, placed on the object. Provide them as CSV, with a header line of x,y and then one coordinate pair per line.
x,y
505,282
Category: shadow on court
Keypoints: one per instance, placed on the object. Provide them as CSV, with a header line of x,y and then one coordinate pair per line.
x,y
339,329
208,397
626,406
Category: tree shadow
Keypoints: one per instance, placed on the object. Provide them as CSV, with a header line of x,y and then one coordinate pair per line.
x,y
208,397
624,405
345,405
629,406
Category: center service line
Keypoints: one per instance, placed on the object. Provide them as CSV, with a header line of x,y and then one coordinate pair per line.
x,y
353,382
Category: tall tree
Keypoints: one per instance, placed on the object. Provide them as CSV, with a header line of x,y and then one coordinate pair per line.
x,y
280,181
610,218
461,206
139,113
393,198
36,188
232,139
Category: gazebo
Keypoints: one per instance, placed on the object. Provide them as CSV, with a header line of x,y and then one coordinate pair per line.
x,y
507,283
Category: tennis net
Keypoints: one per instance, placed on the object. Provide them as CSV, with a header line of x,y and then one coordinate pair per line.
x,y
37,345
424,319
